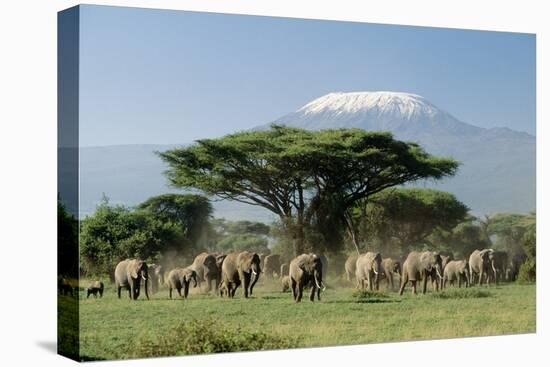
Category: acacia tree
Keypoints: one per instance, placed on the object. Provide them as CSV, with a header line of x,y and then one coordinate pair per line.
x,y
292,172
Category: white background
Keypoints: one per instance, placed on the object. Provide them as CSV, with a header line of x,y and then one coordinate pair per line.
x,y
28,180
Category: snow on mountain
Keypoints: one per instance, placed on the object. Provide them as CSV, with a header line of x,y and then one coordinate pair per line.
x,y
376,111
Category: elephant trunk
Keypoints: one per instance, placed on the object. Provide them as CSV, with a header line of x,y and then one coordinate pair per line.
x,y
438,272
194,282
256,277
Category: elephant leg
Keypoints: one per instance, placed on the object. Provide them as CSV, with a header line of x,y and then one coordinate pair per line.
x,y
246,284
370,282
185,289
424,284
404,281
312,295
318,294
480,278
119,289
208,284
179,291
300,291
170,292
390,282
293,286
459,282
413,286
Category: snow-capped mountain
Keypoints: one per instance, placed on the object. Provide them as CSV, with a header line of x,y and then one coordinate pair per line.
x,y
376,111
498,164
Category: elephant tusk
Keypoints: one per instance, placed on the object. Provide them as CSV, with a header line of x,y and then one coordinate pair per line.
x,y
253,272
317,284
375,272
143,277
438,273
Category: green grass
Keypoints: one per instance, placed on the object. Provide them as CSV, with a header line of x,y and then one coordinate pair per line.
x,y
109,326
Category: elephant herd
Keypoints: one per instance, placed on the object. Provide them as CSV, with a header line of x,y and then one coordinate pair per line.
x,y
483,265
227,272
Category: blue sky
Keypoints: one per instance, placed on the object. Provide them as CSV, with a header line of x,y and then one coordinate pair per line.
x,y
157,76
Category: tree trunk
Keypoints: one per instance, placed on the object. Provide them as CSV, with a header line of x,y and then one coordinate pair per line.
x,y
350,225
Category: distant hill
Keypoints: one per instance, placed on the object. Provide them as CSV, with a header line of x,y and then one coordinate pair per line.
x,y
498,171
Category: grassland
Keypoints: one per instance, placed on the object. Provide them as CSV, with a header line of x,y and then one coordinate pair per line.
x,y
109,325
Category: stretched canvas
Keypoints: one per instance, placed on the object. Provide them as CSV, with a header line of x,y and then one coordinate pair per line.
x,y
240,183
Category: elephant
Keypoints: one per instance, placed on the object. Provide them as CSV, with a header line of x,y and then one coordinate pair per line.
x,y
284,269
420,266
179,278
219,261
223,291
206,266
241,268
480,264
285,283
512,270
500,261
368,267
306,270
349,267
444,261
456,270
128,274
64,287
390,267
95,288
156,273
272,265
262,259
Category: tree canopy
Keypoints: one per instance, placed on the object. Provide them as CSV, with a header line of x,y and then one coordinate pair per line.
x,y
190,212
401,219
242,235
293,172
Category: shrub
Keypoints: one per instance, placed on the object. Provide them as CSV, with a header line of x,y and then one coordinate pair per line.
x,y
207,336
364,296
528,271
461,294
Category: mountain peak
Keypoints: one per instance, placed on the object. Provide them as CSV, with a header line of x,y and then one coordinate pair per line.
x,y
400,105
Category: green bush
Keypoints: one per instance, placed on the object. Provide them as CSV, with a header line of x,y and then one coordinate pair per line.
x,y
528,271
207,336
364,296
461,293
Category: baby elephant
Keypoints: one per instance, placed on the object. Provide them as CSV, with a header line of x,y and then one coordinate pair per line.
x,y
95,288
456,271
285,283
180,278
